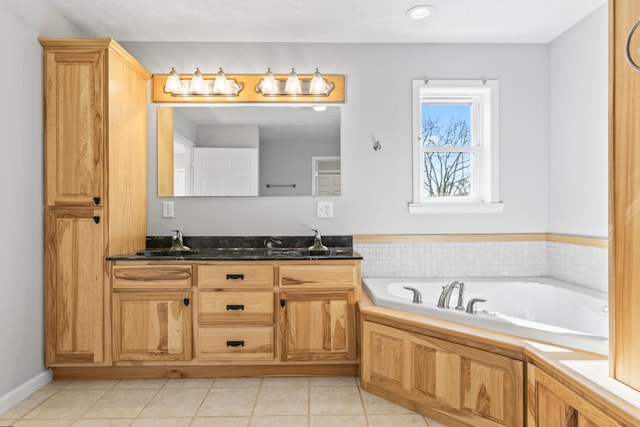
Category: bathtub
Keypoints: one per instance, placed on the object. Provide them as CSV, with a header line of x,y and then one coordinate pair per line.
x,y
539,309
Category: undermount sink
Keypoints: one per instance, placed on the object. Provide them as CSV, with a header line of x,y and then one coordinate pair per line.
x,y
166,252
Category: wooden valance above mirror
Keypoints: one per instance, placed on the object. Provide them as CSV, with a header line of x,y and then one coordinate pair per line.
x,y
248,92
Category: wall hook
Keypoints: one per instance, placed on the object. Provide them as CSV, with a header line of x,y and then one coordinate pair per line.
x,y
376,144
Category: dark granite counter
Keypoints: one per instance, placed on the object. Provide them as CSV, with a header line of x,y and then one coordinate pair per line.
x,y
210,248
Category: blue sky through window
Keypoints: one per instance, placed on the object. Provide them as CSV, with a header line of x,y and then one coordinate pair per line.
x,y
446,112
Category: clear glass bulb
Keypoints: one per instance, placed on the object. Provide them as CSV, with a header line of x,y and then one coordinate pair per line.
x,y
318,85
220,85
293,86
173,84
197,82
269,85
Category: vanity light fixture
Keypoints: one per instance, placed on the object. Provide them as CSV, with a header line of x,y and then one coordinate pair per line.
x,y
217,85
420,12
294,85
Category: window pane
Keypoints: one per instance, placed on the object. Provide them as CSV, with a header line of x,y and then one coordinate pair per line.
x,y
447,174
446,124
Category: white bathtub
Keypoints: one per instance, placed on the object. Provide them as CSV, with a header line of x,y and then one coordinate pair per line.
x,y
539,309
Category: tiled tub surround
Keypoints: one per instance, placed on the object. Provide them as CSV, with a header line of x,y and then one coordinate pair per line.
x,y
581,265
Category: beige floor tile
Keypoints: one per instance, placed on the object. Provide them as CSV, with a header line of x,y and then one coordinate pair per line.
x,y
237,382
161,422
285,382
280,421
65,404
141,384
7,423
335,400
120,404
91,384
234,401
26,405
338,421
122,422
283,401
333,381
189,383
377,405
433,423
409,420
43,423
55,385
174,403
220,422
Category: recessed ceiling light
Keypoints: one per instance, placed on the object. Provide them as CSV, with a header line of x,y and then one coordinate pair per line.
x,y
420,12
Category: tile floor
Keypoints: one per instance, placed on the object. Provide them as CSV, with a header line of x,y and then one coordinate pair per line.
x,y
199,402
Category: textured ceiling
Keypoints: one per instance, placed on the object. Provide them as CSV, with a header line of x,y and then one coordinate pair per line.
x,y
326,21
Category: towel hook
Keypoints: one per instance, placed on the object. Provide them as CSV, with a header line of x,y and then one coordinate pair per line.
x,y
627,53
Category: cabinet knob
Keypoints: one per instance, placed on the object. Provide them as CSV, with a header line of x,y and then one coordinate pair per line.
x,y
186,302
283,303
235,307
235,343
96,200
235,276
96,219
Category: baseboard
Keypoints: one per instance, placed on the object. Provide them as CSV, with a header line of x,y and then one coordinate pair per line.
x,y
24,390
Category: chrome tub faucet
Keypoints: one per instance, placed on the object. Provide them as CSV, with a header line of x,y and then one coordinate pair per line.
x,y
445,295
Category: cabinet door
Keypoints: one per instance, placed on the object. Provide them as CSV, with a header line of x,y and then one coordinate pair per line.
x,y
318,326
74,290
152,326
74,130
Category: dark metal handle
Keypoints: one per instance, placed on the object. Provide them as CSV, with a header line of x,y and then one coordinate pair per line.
x,y
235,307
235,276
96,200
283,303
627,53
235,343
96,219
186,302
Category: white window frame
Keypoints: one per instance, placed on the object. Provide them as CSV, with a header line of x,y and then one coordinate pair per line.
x,y
483,96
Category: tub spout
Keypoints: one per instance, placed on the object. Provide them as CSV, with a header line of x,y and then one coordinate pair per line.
x,y
471,307
417,296
447,290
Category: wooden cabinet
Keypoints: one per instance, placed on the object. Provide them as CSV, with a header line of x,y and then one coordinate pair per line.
x,y
317,311
448,381
95,187
235,311
552,404
152,312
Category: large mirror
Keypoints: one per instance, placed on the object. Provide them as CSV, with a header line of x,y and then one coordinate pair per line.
x,y
235,150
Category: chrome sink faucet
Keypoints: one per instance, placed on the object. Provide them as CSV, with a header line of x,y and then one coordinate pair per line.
x,y
317,242
445,295
272,242
178,244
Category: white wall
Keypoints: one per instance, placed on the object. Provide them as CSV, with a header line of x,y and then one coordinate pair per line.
x,y
578,169
21,166
376,185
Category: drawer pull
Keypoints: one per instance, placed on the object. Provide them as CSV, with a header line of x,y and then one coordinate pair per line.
x,y
235,343
235,307
235,276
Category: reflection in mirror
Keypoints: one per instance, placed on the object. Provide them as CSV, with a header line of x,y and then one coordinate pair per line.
x,y
244,150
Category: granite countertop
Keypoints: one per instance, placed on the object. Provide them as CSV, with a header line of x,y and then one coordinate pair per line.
x,y
210,248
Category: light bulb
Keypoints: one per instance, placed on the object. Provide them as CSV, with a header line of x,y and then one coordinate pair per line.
x,y
197,82
269,85
293,86
173,84
318,85
220,85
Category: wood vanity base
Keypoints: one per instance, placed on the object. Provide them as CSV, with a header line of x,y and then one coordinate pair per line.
x,y
218,371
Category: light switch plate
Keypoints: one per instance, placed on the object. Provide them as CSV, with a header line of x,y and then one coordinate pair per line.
x,y
324,210
167,209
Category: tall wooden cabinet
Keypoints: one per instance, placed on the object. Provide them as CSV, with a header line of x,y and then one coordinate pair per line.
x,y
95,97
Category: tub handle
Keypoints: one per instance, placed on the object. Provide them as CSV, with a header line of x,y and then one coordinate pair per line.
x,y
417,296
471,305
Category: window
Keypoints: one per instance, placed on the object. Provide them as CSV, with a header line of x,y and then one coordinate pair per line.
x,y
455,125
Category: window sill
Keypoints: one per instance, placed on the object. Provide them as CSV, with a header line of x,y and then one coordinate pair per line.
x,y
455,207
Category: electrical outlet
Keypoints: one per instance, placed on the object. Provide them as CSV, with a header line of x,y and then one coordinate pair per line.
x,y
167,209
324,209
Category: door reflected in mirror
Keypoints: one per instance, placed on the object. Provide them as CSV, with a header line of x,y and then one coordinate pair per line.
x,y
249,151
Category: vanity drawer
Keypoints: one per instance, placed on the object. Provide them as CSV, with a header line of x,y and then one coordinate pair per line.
x,y
314,276
215,307
236,343
152,276
235,275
